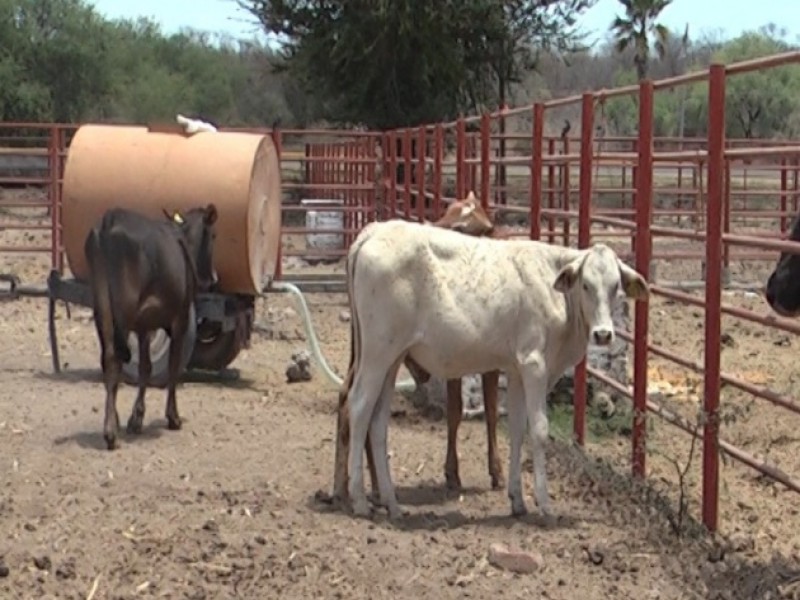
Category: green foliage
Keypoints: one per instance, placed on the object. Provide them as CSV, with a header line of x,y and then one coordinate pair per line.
x,y
402,62
635,28
61,61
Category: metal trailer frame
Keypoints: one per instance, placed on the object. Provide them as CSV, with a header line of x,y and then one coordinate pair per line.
x,y
223,324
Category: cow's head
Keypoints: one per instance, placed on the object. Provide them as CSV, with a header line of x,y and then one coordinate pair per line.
x,y
197,226
594,280
467,216
783,286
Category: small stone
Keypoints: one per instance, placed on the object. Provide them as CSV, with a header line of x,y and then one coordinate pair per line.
x,y
371,540
740,542
211,526
30,527
344,316
260,539
716,554
517,561
4,571
42,563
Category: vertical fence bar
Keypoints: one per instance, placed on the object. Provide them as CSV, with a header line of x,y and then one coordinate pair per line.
x,y
584,235
371,171
473,154
393,175
407,166
716,166
784,186
726,219
565,190
461,149
643,204
277,140
536,173
422,153
551,191
52,195
438,154
486,164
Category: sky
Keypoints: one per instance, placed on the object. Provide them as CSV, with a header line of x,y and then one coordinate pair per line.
x,y
729,17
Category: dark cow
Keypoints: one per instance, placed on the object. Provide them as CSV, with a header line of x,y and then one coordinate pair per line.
x,y
144,275
783,285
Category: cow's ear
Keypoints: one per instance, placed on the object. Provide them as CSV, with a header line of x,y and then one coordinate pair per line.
x,y
568,275
211,214
634,284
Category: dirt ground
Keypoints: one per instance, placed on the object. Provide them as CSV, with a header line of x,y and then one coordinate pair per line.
x,y
227,507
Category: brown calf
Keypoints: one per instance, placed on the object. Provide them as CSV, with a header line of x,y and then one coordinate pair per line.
x,y
465,216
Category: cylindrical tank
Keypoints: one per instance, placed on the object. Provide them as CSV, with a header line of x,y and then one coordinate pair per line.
x,y
149,172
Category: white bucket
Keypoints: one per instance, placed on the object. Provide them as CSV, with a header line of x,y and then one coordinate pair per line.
x,y
324,219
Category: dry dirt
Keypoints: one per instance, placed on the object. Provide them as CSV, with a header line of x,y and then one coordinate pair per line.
x,y
227,506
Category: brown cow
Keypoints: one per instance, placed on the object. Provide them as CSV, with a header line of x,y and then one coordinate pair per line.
x,y
144,275
465,216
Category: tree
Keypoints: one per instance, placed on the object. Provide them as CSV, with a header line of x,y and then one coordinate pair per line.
x,y
635,28
392,63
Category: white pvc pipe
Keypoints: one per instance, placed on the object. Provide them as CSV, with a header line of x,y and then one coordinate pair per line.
x,y
406,385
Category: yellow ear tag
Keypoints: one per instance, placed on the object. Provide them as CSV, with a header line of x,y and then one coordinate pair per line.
x,y
177,218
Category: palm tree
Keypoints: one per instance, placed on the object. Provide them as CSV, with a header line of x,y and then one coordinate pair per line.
x,y
635,28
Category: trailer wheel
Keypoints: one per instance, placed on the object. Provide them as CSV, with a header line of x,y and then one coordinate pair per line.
x,y
159,354
215,349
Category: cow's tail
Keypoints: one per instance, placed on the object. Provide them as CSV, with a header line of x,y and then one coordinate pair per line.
x,y
105,282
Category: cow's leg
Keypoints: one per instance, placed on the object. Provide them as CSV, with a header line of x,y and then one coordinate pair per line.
x,y
517,422
490,382
535,383
367,386
342,443
373,476
145,367
378,428
112,371
177,332
455,409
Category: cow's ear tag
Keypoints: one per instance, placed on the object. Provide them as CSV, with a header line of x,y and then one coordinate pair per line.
x,y
177,218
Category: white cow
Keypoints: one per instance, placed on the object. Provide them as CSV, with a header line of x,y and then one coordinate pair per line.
x,y
459,305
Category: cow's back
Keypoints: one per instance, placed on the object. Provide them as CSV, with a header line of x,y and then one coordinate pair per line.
x,y
438,291
146,267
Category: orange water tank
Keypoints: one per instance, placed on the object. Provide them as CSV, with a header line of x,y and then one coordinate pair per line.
x,y
148,171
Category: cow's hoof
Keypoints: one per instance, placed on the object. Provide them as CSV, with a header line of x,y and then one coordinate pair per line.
x,y
498,483
453,483
111,442
396,513
174,423
518,509
134,426
361,508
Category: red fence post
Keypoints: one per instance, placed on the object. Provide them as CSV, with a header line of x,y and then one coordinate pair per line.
x,y
536,172
551,193
407,166
486,165
438,150
565,189
277,140
461,149
422,141
584,236
784,186
392,150
711,391
643,205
